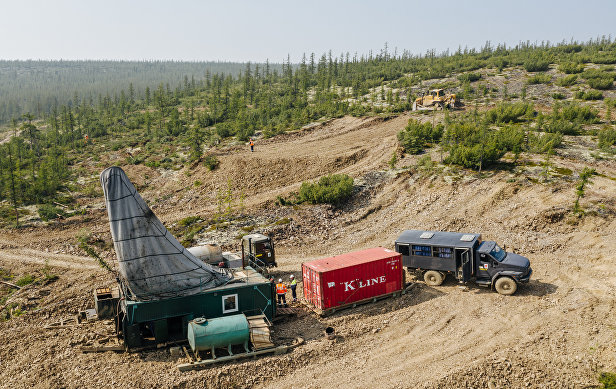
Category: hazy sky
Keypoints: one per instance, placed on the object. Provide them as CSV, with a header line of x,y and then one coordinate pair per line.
x,y
256,30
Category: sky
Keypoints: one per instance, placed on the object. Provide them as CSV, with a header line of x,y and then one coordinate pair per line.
x,y
240,31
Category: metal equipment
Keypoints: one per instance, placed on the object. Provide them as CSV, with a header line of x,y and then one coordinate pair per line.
x,y
204,334
258,252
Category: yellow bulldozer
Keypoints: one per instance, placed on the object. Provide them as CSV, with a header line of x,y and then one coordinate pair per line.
x,y
435,99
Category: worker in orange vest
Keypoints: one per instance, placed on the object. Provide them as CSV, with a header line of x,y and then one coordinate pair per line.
x,y
281,291
252,145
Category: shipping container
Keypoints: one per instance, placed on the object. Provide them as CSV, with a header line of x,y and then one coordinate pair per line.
x,y
347,279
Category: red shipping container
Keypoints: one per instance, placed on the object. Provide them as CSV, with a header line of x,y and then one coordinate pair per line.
x,y
352,277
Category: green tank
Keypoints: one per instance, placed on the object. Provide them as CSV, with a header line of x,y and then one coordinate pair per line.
x,y
226,331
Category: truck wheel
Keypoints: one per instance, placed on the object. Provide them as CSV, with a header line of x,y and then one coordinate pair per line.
x,y
433,278
506,286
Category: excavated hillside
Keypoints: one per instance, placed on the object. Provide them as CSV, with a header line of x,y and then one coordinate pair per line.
x,y
557,331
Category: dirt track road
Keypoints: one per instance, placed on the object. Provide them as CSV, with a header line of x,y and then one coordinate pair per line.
x,y
556,332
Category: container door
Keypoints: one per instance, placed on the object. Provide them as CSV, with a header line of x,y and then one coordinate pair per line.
x,y
463,262
306,282
316,288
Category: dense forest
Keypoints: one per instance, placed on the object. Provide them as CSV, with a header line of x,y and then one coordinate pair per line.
x,y
191,106
39,86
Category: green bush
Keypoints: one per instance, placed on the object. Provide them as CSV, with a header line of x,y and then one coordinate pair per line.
x,y
187,221
469,77
48,212
589,95
473,147
607,137
608,380
540,78
416,136
601,83
211,162
574,112
571,68
509,112
563,127
542,143
558,96
25,280
331,189
567,80
536,65
599,79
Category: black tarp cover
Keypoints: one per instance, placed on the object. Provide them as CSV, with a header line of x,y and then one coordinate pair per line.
x,y
152,264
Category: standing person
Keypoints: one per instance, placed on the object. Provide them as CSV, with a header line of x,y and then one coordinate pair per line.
x,y
252,145
281,291
293,287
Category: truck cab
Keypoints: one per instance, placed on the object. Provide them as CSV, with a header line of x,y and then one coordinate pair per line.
x,y
436,254
258,251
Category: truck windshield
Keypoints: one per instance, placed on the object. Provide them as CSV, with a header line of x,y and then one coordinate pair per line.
x,y
498,253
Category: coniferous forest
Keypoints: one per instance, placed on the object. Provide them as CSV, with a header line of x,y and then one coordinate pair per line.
x,y
52,112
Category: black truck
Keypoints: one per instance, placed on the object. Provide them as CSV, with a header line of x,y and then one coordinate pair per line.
x,y
466,256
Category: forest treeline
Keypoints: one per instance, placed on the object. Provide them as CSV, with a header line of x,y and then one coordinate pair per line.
x,y
35,163
37,86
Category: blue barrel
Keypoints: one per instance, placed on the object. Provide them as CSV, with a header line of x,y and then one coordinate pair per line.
x,y
226,331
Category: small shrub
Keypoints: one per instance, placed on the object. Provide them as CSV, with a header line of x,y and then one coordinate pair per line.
x,y
600,83
563,127
607,380
25,280
536,65
211,162
542,143
331,189
589,95
469,77
393,160
574,112
48,212
567,80
508,112
187,221
599,79
558,96
416,136
607,137
540,78
571,68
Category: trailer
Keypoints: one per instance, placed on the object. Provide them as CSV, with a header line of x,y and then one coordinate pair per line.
x,y
435,254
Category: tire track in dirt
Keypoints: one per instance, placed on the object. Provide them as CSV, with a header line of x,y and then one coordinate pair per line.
x,y
31,256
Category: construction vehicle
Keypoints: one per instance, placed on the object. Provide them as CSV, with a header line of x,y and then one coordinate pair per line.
x,y
435,99
465,256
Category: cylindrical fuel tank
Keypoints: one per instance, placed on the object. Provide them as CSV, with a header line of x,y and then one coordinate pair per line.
x,y
207,334
207,253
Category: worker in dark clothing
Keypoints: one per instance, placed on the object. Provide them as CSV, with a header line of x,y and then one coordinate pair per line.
x,y
293,288
252,145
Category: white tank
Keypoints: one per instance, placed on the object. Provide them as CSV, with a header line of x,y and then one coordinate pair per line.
x,y
208,253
